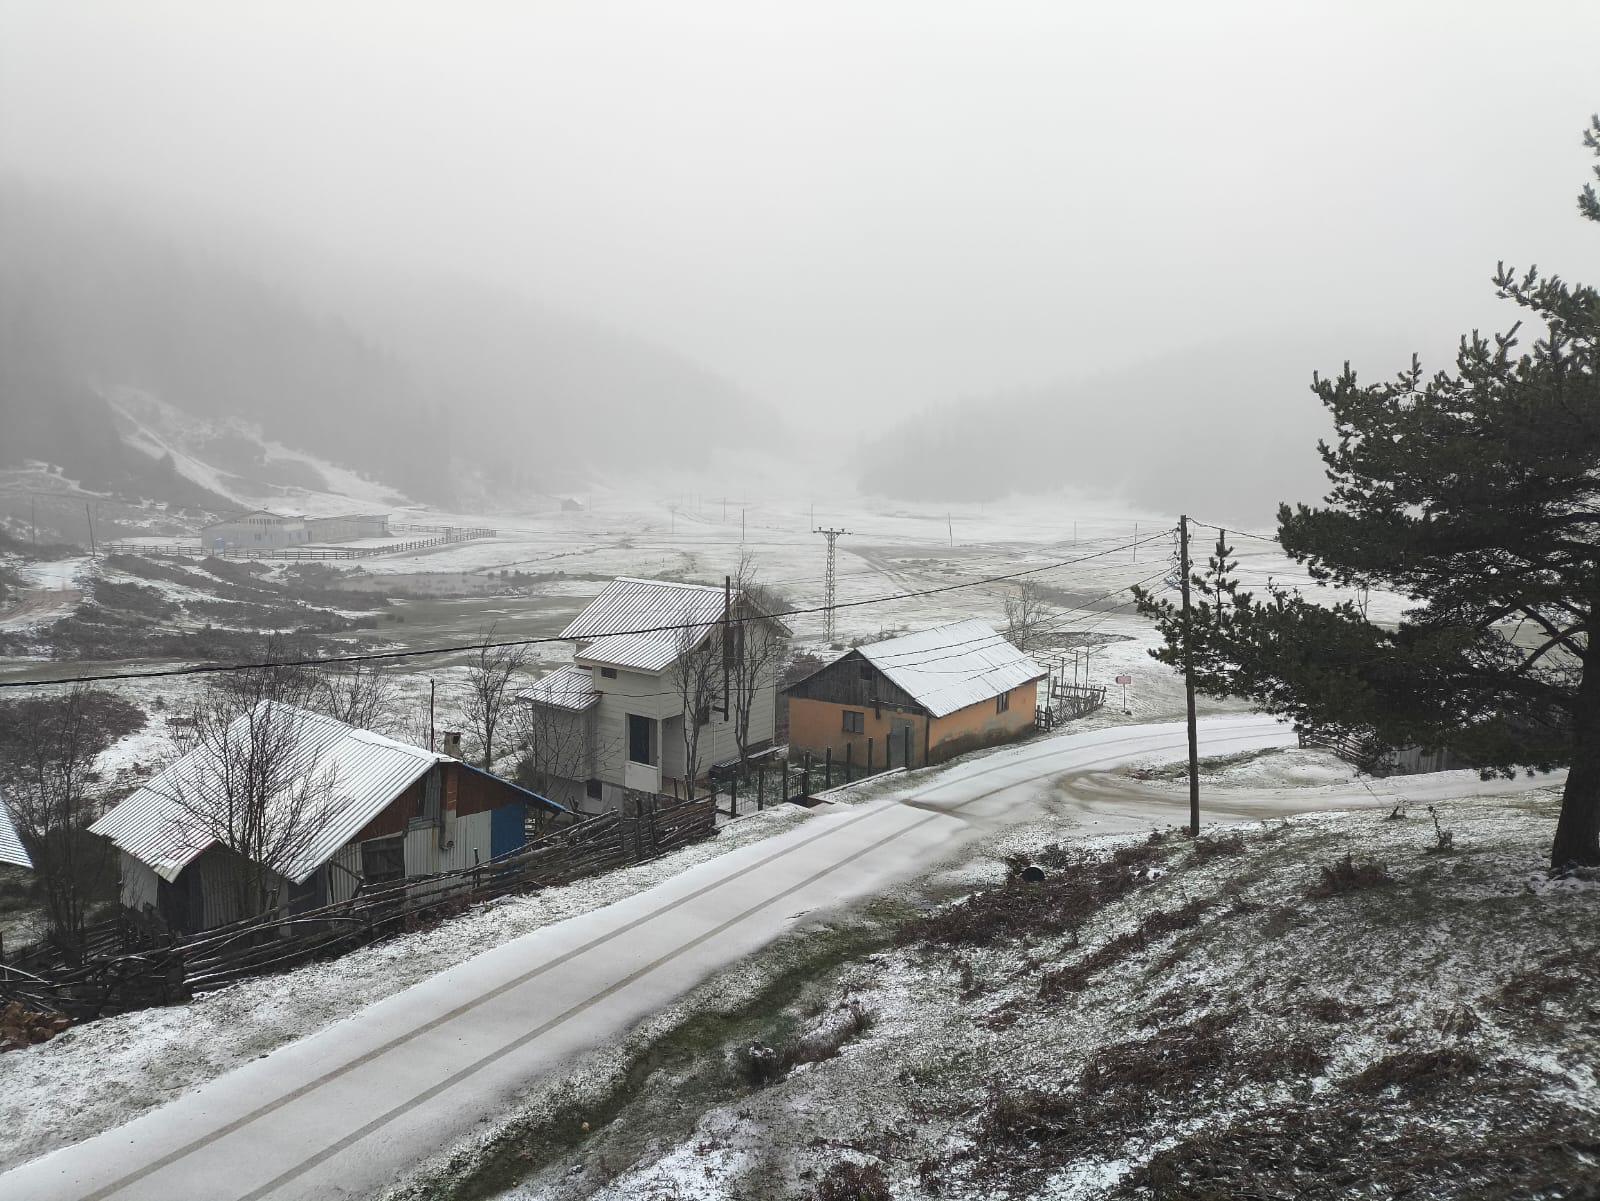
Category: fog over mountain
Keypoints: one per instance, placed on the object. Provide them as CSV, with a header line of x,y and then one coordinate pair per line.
x,y
430,384
513,247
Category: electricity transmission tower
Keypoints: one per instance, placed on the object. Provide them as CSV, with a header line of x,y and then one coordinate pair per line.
x,y
829,580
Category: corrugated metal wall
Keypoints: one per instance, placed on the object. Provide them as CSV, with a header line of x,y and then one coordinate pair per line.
x,y
342,884
140,885
473,833
422,851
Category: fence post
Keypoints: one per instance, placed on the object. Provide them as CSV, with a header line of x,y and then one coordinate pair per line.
x,y
805,780
849,760
869,756
733,795
761,787
827,769
906,750
786,777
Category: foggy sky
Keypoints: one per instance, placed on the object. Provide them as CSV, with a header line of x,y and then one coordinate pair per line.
x,y
859,207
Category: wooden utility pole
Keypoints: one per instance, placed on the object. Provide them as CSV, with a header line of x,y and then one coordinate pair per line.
x,y
90,517
430,715
727,641
1188,678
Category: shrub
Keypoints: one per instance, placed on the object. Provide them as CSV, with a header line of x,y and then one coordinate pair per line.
x,y
1346,875
849,1181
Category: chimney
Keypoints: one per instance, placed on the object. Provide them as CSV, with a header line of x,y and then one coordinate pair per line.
x,y
450,744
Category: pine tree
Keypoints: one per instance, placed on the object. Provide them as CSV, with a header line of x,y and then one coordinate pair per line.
x,y
1476,493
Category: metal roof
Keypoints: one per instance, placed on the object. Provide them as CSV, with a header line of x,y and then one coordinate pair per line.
x,y
569,688
364,771
11,849
632,604
952,666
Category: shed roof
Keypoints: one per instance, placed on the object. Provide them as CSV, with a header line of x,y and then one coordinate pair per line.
x,y
627,604
569,688
364,773
949,667
11,849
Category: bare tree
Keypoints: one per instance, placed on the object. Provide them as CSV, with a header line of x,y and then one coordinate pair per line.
x,y
696,678
1026,614
49,753
254,782
760,645
360,695
489,678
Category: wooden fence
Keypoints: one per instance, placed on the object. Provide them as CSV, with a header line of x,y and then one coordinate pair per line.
x,y
127,965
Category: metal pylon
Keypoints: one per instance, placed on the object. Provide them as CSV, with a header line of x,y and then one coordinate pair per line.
x,y
829,580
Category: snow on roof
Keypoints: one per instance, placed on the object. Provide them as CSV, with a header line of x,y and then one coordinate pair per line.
x,y
11,849
565,688
631,604
158,826
952,666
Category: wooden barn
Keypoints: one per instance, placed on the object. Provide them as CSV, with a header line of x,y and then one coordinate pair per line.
x,y
924,698
392,811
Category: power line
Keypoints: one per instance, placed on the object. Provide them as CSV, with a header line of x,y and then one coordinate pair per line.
x,y
463,648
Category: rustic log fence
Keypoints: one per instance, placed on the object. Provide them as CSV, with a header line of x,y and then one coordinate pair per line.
x,y
126,964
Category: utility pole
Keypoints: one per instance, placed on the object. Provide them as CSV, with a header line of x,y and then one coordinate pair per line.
x,y
741,527
1188,679
950,527
430,713
90,517
832,535
1136,542
727,639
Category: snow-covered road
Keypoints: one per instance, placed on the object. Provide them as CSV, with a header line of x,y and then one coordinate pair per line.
x,y
343,1112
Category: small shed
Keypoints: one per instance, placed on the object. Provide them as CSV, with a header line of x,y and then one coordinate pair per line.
x,y
918,699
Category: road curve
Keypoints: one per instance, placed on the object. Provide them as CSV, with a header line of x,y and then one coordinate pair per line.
x,y
343,1111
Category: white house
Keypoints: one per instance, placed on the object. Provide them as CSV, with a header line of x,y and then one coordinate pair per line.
x,y
259,529
614,721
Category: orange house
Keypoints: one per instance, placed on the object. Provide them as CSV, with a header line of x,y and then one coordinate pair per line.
x,y
915,700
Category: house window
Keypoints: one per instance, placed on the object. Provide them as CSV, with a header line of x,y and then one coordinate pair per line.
x,y
609,673
383,859
1002,702
866,671
854,722
592,790
640,749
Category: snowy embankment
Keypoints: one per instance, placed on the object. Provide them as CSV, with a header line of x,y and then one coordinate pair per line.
x,y
1156,1018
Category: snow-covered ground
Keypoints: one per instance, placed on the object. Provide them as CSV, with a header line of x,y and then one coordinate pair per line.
x,y
1247,1043
102,1073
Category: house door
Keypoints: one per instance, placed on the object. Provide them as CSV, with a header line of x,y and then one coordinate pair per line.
x,y
900,740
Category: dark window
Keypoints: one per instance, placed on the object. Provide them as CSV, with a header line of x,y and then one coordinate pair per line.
x,y
866,671
609,673
854,722
1002,702
639,740
592,790
383,859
